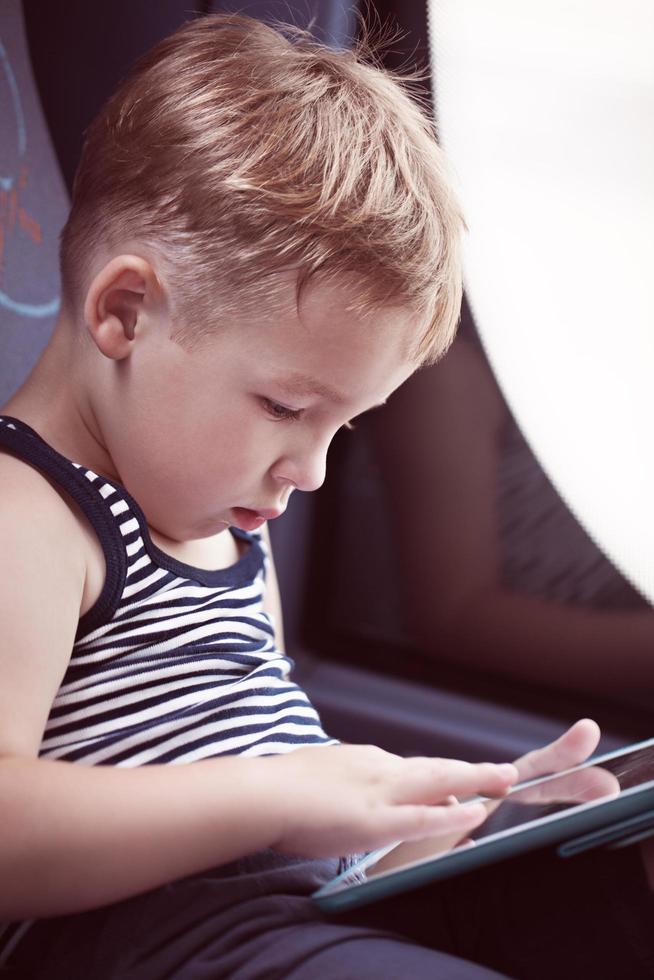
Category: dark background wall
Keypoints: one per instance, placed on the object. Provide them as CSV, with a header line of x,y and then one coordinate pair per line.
x,y
81,50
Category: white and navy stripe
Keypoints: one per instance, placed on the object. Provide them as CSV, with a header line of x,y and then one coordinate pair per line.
x,y
174,663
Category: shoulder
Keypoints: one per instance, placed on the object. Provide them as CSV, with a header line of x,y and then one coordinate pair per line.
x,y
26,492
40,524
42,577
23,487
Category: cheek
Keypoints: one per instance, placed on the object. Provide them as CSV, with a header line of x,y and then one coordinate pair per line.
x,y
235,453
209,457
211,439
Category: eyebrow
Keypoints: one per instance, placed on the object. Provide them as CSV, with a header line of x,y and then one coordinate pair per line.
x,y
303,384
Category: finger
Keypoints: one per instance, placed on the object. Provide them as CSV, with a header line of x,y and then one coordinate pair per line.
x,y
409,851
574,787
434,781
455,821
490,780
571,748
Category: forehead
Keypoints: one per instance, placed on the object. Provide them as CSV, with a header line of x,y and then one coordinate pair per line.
x,y
326,305
326,346
322,348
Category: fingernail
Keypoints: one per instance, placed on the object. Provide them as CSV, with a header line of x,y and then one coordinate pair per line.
x,y
508,771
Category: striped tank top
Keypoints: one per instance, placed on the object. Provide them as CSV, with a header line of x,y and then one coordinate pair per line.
x,y
173,663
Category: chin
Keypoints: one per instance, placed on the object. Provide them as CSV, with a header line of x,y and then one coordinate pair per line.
x,y
208,529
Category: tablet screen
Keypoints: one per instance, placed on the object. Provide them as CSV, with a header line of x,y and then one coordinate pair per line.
x,y
538,800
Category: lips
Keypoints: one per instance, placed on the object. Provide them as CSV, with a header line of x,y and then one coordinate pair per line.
x,y
250,520
271,513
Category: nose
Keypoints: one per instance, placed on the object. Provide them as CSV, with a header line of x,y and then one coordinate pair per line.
x,y
304,468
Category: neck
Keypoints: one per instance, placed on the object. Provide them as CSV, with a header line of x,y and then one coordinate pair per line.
x,y
54,402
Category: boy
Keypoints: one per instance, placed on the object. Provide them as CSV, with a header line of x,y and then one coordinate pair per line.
x,y
262,245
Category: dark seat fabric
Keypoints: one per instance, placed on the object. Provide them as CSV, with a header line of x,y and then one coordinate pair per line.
x,y
80,51
33,208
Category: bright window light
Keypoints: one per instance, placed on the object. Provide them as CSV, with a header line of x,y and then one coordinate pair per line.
x,y
546,112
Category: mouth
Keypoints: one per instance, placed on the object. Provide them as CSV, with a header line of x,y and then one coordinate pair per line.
x,y
249,520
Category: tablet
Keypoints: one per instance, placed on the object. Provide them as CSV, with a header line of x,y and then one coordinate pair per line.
x,y
608,800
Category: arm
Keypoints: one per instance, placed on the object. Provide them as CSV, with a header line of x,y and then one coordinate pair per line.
x,y
74,837
438,444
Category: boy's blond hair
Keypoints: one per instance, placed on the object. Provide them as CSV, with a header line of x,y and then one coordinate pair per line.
x,y
236,151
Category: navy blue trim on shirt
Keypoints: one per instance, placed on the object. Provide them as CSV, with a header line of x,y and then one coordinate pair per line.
x,y
47,460
26,444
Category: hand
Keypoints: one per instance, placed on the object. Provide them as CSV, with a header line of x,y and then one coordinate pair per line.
x,y
570,749
350,798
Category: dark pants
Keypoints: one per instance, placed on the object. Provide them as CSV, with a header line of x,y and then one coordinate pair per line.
x,y
535,917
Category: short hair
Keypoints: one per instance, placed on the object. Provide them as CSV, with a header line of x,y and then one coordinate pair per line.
x,y
236,151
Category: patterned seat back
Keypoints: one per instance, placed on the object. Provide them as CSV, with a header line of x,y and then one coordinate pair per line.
x,y
33,208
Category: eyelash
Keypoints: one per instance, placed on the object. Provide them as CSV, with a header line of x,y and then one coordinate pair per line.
x,y
280,413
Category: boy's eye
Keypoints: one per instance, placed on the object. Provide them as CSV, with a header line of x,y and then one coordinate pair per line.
x,y
281,412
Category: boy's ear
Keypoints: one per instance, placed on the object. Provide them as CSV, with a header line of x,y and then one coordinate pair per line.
x,y
117,301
